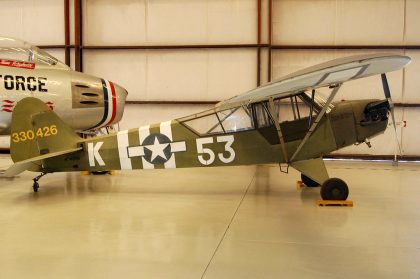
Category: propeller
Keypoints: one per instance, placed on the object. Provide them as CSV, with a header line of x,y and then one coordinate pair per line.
x,y
387,93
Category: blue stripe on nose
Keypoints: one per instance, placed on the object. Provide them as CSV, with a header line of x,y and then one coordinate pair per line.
x,y
105,90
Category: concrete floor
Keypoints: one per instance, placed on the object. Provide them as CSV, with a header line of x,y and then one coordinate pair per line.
x,y
237,222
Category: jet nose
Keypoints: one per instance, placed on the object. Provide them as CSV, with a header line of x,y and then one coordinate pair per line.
x,y
120,93
120,98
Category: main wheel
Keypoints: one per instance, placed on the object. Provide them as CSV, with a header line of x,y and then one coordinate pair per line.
x,y
334,189
308,182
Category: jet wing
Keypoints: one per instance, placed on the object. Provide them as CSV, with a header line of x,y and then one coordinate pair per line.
x,y
21,166
321,75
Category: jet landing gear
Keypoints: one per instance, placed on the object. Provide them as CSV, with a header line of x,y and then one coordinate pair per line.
x,y
36,184
334,189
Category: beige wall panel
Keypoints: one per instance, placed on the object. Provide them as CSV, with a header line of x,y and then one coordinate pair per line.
x,y
114,22
383,144
232,21
170,22
412,78
340,22
38,22
411,132
412,30
288,61
304,22
127,68
200,74
183,22
176,75
231,72
377,22
4,142
202,22
140,115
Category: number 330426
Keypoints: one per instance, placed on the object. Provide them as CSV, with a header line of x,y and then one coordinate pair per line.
x,y
32,134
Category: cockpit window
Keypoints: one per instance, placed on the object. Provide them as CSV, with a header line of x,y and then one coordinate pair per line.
x,y
12,49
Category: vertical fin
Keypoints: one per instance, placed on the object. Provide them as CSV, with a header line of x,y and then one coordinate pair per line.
x,y
37,130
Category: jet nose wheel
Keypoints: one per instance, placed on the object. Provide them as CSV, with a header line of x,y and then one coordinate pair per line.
x,y
334,189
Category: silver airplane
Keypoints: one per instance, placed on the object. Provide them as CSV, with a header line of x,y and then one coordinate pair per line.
x,y
83,101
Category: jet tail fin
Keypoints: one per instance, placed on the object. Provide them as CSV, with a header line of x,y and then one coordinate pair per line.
x,y
38,133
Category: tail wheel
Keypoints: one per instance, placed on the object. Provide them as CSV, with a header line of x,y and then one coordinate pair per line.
x,y
35,186
308,182
334,189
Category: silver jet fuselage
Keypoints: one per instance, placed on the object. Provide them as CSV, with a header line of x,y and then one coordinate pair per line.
x,y
83,101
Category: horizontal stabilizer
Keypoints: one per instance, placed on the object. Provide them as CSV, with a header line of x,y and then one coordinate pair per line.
x,y
21,166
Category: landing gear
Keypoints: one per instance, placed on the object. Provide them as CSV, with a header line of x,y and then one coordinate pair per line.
x,y
334,189
308,182
36,184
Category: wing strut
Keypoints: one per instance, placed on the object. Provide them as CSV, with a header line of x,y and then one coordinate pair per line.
x,y
311,109
278,128
318,118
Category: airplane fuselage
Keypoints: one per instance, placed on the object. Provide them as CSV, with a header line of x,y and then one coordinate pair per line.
x,y
172,144
83,101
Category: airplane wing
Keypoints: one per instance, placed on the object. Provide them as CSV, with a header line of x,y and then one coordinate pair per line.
x,y
21,166
321,75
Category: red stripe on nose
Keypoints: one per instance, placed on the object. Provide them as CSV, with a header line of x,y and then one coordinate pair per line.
x,y
114,103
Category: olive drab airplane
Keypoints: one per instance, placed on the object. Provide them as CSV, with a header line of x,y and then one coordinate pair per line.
x,y
284,122
84,102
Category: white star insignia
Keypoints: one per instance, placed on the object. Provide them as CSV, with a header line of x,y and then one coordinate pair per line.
x,y
157,149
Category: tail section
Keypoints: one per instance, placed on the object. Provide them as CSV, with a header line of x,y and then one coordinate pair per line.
x,y
38,131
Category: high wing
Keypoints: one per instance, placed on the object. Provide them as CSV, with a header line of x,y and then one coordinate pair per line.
x,y
325,74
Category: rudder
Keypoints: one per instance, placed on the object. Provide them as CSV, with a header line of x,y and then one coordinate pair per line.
x,y
37,130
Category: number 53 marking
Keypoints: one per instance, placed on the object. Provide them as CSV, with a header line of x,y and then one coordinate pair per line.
x,y
228,140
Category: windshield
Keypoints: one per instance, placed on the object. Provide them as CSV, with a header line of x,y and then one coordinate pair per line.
x,y
12,49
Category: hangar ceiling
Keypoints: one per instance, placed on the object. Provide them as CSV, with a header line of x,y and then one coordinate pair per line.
x,y
179,57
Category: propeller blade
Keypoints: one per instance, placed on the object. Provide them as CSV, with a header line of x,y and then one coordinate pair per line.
x,y
387,93
386,86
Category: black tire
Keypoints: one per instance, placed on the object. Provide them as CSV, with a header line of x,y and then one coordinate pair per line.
x,y
308,182
334,189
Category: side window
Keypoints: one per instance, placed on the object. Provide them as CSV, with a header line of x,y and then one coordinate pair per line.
x,y
18,54
236,119
261,115
208,124
294,108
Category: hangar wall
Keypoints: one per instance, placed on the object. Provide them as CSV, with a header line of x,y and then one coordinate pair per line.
x,y
177,57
